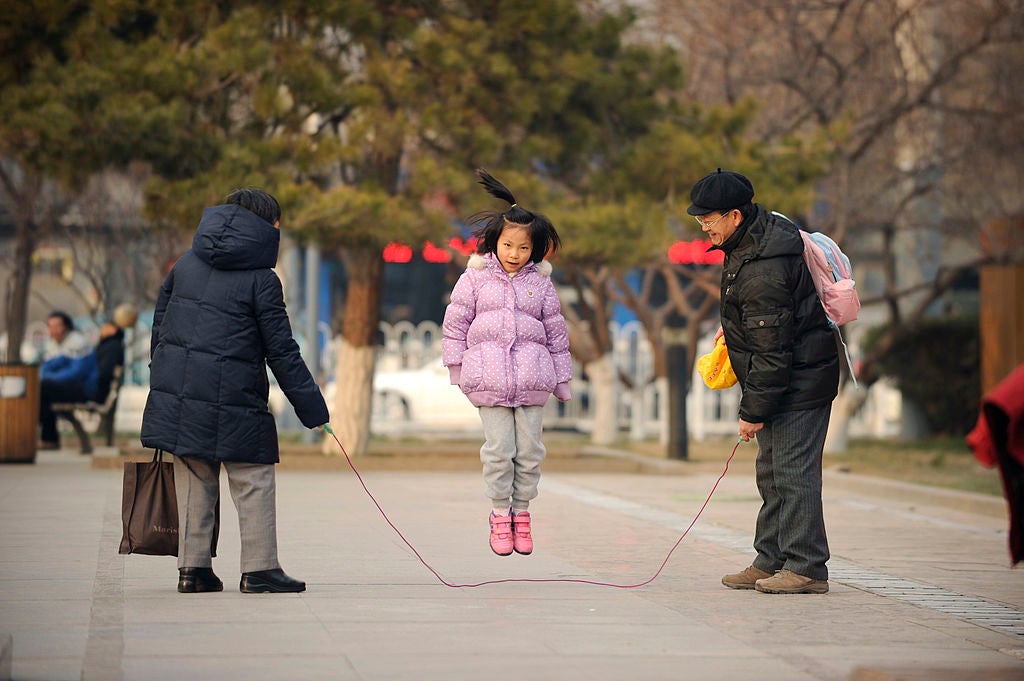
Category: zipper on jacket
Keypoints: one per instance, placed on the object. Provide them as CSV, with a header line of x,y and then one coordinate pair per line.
x,y
511,376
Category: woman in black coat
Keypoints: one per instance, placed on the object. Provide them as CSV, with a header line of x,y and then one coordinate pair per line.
x,y
220,321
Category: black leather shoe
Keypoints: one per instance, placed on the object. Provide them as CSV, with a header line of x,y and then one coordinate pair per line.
x,y
198,580
269,582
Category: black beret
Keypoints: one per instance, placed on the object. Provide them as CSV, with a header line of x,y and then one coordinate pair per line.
x,y
720,191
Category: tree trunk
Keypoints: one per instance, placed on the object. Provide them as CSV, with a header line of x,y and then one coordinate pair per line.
x,y
602,400
838,437
663,421
352,399
17,289
354,367
22,197
637,432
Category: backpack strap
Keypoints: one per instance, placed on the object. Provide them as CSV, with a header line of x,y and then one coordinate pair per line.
x,y
844,352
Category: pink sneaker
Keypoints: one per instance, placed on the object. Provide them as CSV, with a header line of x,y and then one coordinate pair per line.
x,y
501,534
522,540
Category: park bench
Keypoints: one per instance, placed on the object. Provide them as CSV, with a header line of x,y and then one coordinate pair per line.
x,y
105,410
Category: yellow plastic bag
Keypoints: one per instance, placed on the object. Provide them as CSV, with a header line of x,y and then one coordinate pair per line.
x,y
716,369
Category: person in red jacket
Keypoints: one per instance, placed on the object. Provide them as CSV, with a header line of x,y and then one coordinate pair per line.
x,y
998,440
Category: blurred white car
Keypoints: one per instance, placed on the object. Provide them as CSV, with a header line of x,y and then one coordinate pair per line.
x,y
409,401
423,398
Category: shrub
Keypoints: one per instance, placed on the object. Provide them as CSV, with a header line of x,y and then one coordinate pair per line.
x,y
936,365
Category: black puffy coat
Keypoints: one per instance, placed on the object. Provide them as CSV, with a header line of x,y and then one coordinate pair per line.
x,y
780,344
219,322
109,356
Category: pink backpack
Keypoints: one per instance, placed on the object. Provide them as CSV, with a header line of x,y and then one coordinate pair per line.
x,y
833,277
832,274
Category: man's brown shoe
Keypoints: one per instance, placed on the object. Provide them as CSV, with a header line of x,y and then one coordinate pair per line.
x,y
788,582
745,579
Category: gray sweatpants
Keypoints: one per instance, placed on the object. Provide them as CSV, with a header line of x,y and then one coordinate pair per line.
x,y
253,488
790,532
511,454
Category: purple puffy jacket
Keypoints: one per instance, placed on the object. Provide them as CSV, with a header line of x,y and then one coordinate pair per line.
x,y
505,339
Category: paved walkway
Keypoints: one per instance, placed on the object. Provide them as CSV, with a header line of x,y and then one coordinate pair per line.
x,y
920,586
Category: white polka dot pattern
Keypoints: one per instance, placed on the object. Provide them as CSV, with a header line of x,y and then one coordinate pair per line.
x,y
508,334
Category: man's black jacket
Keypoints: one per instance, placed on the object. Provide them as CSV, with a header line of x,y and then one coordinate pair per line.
x,y
779,340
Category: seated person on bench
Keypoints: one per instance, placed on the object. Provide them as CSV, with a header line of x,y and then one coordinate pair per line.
x,y
80,379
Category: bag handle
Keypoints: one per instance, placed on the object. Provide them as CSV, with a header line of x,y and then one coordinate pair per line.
x,y
158,455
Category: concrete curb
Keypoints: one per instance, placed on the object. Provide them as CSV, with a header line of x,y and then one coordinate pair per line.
x,y
969,502
599,459
420,462
6,655
835,478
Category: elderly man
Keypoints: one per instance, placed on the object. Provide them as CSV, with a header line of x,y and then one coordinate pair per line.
x,y
785,358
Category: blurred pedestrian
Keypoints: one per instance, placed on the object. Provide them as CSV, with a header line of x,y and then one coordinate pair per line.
x,y
110,349
785,358
506,345
67,379
220,320
65,340
69,374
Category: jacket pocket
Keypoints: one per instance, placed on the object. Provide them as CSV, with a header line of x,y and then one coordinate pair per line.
x,y
766,332
535,370
472,372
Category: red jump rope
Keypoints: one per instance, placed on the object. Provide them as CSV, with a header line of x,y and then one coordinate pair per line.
x,y
327,429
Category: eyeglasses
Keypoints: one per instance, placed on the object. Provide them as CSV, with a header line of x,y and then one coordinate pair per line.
x,y
706,225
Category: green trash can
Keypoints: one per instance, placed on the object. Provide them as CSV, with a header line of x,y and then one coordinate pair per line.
x,y
19,412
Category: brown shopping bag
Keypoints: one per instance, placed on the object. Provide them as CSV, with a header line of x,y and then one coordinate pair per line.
x,y
149,509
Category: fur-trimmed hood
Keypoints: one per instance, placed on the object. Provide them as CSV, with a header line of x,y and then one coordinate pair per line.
x,y
479,262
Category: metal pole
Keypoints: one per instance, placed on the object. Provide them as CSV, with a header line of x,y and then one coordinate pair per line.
x,y
312,317
678,385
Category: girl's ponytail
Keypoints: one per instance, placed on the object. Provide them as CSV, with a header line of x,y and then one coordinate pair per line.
x,y
515,212
495,188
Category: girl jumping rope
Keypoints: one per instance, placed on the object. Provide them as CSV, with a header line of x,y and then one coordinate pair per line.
x,y
506,346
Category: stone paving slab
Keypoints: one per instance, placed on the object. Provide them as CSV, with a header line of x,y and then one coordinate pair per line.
x,y
75,609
